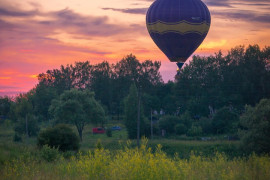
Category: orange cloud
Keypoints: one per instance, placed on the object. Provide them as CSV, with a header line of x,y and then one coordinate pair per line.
x,y
5,77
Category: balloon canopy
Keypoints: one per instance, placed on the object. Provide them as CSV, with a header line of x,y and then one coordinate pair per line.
x,y
178,27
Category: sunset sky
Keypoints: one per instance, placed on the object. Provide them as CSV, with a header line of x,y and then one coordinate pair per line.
x,y
39,35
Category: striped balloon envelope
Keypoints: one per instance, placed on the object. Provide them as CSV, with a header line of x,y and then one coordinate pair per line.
x,y
178,27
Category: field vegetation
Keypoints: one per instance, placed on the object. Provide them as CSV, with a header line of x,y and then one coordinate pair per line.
x,y
134,163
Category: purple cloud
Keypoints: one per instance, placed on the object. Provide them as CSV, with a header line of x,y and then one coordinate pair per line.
x,y
229,3
244,15
129,10
16,13
66,20
218,3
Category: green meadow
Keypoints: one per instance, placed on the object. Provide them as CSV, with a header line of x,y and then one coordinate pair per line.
x,y
102,157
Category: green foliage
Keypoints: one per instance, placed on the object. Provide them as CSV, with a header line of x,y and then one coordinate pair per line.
x,y
49,154
99,145
180,129
102,83
165,93
150,103
169,104
23,107
197,107
61,136
8,123
225,121
108,81
32,126
131,113
42,97
195,131
186,119
206,124
17,138
78,108
168,123
241,77
255,123
5,104
12,151
109,132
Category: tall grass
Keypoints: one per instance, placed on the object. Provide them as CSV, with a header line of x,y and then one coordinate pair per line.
x,y
142,163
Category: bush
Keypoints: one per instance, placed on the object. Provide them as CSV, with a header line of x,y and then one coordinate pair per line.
x,y
109,132
206,124
180,129
49,154
61,136
68,154
99,145
195,131
186,119
168,123
17,138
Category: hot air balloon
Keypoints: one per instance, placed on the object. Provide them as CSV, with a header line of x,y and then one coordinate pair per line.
x,y
178,27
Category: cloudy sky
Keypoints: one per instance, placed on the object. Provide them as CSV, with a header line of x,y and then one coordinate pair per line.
x,y
39,35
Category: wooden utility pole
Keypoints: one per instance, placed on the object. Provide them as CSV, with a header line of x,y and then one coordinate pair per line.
x,y
26,125
151,124
139,117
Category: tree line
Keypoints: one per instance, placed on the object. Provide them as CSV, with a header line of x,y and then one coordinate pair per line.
x,y
207,96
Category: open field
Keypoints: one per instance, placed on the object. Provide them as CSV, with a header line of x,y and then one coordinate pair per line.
x,y
120,159
169,145
133,163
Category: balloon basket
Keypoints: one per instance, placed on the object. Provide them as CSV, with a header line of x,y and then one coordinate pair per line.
x,y
179,65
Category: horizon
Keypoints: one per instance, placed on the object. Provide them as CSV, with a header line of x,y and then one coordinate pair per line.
x,y
36,37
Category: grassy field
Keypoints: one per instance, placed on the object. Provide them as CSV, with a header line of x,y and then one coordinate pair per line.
x,y
133,163
170,146
120,159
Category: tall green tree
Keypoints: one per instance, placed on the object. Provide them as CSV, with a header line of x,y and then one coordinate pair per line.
x,y
108,81
41,100
102,84
67,77
5,104
210,83
131,113
24,111
130,71
255,127
78,108
150,103
225,121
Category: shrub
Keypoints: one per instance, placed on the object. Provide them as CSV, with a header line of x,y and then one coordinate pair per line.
x,y
109,132
61,136
168,123
180,129
99,145
68,154
17,138
206,124
49,154
186,119
194,131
